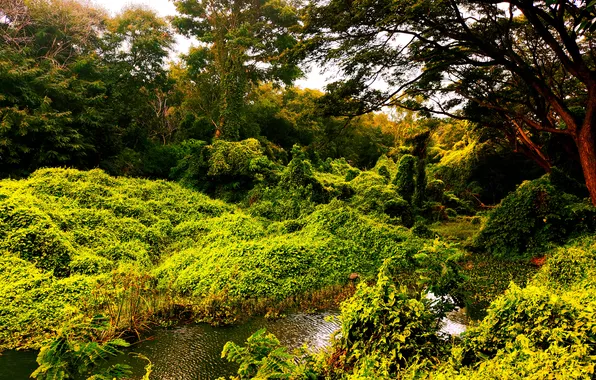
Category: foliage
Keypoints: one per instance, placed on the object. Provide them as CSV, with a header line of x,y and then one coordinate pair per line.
x,y
465,68
33,304
48,114
68,357
134,249
384,327
535,215
405,177
224,166
264,358
542,330
67,73
72,240
474,164
539,331
243,43
243,260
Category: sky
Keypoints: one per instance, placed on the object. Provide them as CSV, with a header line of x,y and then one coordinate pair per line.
x,y
313,79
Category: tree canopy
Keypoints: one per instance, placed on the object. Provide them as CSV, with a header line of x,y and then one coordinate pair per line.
x,y
528,66
242,42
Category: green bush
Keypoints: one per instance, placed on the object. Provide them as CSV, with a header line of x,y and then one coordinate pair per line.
x,y
534,217
351,174
74,353
543,331
383,327
545,318
263,357
572,266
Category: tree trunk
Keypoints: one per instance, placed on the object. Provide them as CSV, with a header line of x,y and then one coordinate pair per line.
x,y
587,154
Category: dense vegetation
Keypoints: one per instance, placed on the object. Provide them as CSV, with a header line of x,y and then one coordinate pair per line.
x,y
138,192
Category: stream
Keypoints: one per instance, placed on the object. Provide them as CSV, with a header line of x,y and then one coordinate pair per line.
x,y
193,352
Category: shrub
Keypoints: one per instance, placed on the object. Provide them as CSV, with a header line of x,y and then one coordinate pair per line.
x,y
351,174
75,353
572,266
263,357
384,172
383,325
535,216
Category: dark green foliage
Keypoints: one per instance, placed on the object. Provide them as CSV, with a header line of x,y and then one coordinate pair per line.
x,y
384,172
435,190
192,169
474,167
404,179
48,114
421,183
567,184
224,168
422,230
535,216
242,46
67,80
351,174
399,208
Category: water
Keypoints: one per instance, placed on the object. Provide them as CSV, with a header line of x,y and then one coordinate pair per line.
x,y
454,323
194,351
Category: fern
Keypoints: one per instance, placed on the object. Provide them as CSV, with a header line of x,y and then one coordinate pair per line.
x,y
262,357
66,358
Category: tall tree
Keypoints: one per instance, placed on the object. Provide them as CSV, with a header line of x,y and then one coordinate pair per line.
x,y
529,64
242,42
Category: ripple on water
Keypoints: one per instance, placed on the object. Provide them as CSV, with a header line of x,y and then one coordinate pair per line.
x,y
194,351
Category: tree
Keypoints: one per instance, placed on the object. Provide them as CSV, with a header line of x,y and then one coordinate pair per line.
x,y
56,30
530,65
135,47
242,42
138,41
50,96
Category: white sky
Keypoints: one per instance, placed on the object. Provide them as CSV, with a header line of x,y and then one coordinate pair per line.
x,y
166,8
